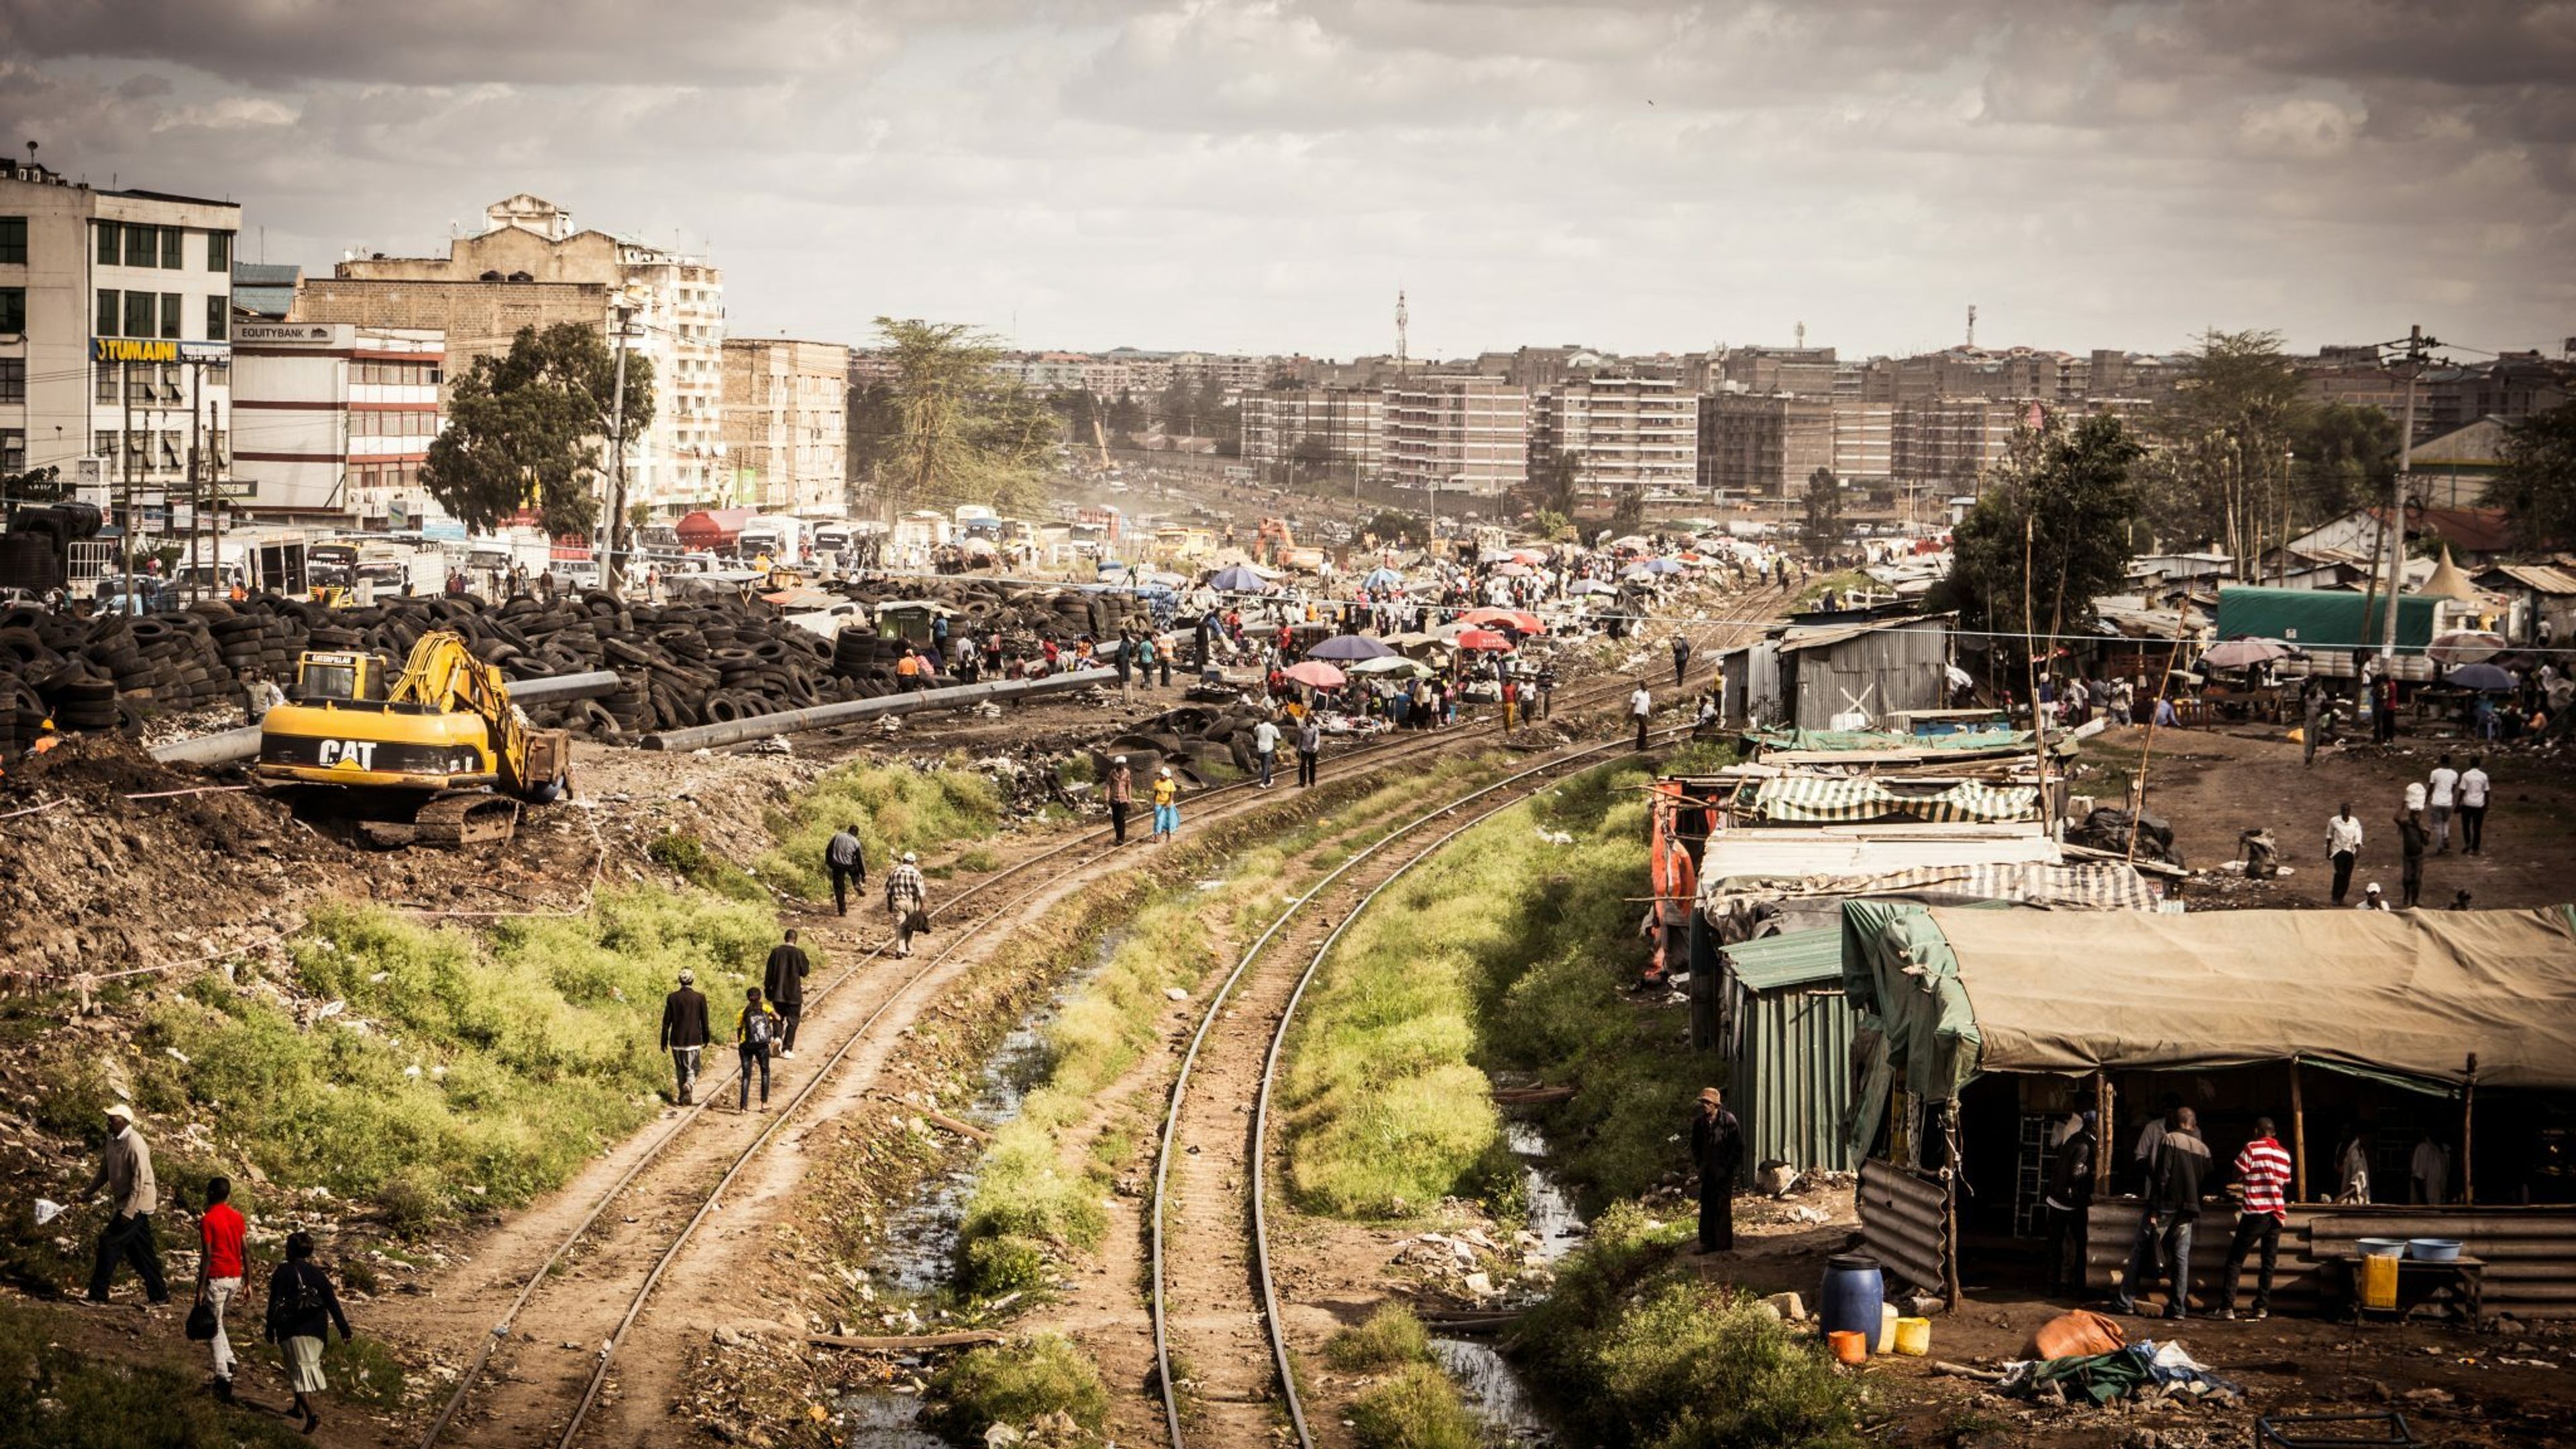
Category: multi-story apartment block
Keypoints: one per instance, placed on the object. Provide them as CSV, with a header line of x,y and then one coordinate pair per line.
x,y
1626,434
1763,445
1864,441
786,425
531,267
335,419
115,335
1340,429
1808,371
2512,387
1198,369
1452,431
1949,443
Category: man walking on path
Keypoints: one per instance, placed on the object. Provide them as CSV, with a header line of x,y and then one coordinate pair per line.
x,y
1126,662
219,1272
2343,847
753,1031
1310,748
1717,1149
2070,1199
784,983
2441,792
2171,1212
1167,806
2311,712
906,894
301,1310
685,1033
2411,837
848,864
1265,743
1640,705
1681,658
2263,1169
132,1196
2474,785
1122,798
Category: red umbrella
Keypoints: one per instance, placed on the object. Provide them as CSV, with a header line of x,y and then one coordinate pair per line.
x,y
1483,639
1517,619
1313,672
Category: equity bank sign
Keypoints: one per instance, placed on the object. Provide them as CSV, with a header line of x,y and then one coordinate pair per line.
x,y
156,349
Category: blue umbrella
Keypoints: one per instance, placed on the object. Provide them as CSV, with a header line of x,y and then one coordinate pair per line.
x,y
1665,565
1382,578
1349,646
2483,677
1239,580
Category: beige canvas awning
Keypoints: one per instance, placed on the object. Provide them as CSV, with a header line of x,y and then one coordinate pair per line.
x,y
2413,992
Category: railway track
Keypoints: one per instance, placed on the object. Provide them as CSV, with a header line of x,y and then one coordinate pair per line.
x,y
669,1187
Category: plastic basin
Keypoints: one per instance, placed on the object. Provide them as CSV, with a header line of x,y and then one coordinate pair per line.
x,y
2381,1247
2434,1250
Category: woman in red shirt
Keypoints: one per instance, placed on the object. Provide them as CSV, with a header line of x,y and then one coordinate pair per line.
x,y
219,1271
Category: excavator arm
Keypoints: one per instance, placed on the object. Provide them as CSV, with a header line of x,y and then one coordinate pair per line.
x,y
444,676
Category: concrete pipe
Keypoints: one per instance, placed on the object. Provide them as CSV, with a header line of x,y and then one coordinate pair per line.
x,y
243,744
823,716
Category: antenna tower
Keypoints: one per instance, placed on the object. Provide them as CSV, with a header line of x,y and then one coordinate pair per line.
x,y
1802,337
1972,324
1400,318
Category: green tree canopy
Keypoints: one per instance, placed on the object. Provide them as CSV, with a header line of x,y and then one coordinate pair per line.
x,y
1552,482
1391,525
2221,474
2050,533
1822,531
2537,486
2343,457
526,429
959,432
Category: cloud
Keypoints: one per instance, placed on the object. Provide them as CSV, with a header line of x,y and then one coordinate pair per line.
x,y
1263,174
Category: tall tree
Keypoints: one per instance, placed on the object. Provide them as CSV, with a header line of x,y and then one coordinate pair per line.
x,y
2223,475
1552,482
962,433
2050,533
526,429
2343,457
1126,419
1822,531
2537,486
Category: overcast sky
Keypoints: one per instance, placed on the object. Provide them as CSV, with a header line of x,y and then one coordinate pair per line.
x,y
1263,175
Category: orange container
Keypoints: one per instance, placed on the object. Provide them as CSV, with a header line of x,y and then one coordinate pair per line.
x,y
1850,1346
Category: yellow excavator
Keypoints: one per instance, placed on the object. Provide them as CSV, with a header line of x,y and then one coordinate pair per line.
x,y
441,738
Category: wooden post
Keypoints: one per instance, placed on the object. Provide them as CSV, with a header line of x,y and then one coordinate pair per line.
x,y
2298,1137
1950,1202
2102,1133
2468,1138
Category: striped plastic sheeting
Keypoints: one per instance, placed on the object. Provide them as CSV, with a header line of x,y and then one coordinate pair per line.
x,y
2093,886
1817,799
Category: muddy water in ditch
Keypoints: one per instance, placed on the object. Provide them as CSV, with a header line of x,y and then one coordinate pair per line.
x,y
1484,1376
920,1246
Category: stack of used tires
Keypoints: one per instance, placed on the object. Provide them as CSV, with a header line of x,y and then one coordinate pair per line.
x,y
1203,740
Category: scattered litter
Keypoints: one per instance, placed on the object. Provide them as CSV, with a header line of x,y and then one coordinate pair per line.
x,y
47,1210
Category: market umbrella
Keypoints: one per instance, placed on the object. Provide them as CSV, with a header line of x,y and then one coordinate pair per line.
x,y
2483,677
1313,672
1591,586
1349,647
2466,646
1517,620
1512,570
1382,578
1485,639
1239,580
2244,653
1636,571
1528,556
1664,565
1392,664
1634,540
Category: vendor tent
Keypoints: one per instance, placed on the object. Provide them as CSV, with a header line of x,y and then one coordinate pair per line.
x,y
1831,799
2313,619
1959,992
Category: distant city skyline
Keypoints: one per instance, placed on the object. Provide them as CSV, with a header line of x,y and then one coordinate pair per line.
x,y
1261,176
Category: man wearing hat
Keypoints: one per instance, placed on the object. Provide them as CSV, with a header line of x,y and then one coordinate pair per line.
x,y
906,894
132,1194
1122,798
685,1030
1717,1147
2372,899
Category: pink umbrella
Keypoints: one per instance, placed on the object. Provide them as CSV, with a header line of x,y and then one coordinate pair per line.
x,y
1314,672
1519,620
1483,639
1512,570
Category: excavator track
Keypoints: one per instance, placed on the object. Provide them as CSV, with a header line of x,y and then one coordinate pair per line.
x,y
466,818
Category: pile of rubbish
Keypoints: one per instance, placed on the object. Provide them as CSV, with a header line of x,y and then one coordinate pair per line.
x,y
1199,742
2081,1357
105,673
2109,829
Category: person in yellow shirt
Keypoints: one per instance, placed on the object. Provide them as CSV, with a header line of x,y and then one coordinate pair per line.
x,y
1167,806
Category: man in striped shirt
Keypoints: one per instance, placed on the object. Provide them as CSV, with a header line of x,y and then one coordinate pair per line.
x,y
2263,1171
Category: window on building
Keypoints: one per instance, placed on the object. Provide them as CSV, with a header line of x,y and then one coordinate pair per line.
x,y
13,240
141,315
13,309
13,379
219,252
108,244
106,389
103,443
170,314
173,248
105,324
219,317
142,245
13,450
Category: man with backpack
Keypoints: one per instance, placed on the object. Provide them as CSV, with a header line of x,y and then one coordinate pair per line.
x,y
685,1032
785,984
754,1030
301,1310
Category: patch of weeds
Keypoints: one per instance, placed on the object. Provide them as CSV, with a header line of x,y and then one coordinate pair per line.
x,y
1391,1336
61,1397
979,860
896,808
1418,1408
688,857
1014,1384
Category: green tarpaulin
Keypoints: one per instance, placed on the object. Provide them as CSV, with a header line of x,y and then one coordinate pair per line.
x,y
2323,618
1966,741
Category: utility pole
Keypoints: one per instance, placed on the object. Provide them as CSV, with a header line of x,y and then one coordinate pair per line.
x,y
196,435
125,475
2417,347
615,576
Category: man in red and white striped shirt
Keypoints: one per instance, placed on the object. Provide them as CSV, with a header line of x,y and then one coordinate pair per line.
x,y
2263,1171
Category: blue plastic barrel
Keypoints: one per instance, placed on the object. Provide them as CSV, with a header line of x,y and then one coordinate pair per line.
x,y
1849,1298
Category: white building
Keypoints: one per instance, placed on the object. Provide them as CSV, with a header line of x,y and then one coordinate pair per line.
x,y
1468,433
1336,429
115,310
335,419
1626,435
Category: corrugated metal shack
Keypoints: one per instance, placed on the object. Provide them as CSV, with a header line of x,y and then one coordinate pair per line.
x,y
1807,676
1786,1032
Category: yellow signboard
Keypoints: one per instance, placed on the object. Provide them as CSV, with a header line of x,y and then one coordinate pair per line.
x,y
133,349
